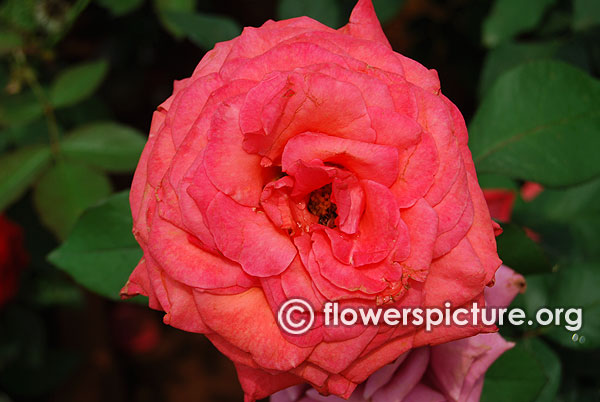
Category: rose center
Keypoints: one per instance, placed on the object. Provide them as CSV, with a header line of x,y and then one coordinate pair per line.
x,y
320,205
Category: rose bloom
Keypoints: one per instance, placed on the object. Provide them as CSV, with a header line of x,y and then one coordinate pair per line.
x,y
452,371
13,258
303,161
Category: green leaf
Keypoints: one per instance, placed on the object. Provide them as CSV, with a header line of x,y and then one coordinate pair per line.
x,y
19,14
539,122
568,220
586,14
106,145
520,252
536,296
511,54
325,11
101,251
18,170
9,41
77,83
20,109
163,7
511,17
204,29
120,7
577,286
64,192
551,366
518,376
496,182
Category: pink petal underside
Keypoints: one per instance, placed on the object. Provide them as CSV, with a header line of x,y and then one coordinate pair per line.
x,y
457,366
368,161
422,223
406,378
382,376
507,285
364,24
247,322
246,236
291,394
231,169
422,392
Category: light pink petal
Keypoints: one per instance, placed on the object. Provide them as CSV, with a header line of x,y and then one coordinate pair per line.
x,y
406,378
422,392
382,376
458,365
507,285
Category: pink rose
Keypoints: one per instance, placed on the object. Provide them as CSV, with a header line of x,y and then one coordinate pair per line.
x,y
303,161
452,371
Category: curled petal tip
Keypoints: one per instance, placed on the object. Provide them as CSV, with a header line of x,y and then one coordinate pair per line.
x,y
364,24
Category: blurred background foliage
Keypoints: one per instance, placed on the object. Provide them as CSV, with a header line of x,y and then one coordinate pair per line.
x,y
79,80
